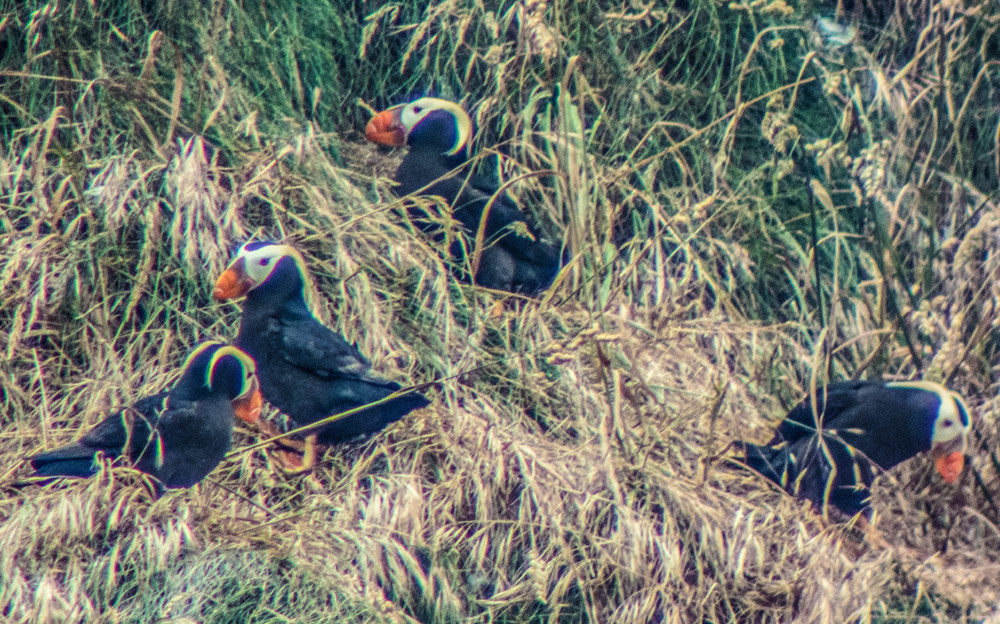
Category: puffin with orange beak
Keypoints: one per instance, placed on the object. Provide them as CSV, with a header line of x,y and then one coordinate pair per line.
x,y
306,370
177,436
513,258
829,452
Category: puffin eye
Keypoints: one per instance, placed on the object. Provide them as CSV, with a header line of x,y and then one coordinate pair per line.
x,y
948,422
417,109
264,261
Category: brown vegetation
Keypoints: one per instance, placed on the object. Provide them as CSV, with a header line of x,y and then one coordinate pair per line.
x,y
751,208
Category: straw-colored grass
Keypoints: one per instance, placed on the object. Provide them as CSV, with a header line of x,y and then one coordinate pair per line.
x,y
750,207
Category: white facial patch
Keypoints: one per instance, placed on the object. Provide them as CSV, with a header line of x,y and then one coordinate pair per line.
x,y
416,110
953,419
260,262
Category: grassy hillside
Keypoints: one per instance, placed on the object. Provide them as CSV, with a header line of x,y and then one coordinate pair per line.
x,y
758,197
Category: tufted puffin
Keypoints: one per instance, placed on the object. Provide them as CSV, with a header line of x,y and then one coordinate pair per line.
x,y
306,370
867,426
437,131
176,436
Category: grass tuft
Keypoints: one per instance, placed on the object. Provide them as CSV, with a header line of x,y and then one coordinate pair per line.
x,y
756,198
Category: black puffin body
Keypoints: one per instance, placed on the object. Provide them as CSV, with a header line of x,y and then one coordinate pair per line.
x,y
437,132
177,436
866,426
306,370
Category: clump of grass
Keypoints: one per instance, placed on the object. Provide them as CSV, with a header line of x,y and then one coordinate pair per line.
x,y
750,208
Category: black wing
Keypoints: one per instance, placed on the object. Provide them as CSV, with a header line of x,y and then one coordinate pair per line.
x,y
833,473
313,347
131,426
834,404
514,258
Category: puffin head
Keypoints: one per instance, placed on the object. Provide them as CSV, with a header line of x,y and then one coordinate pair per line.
x,y
255,264
223,368
947,426
949,435
428,122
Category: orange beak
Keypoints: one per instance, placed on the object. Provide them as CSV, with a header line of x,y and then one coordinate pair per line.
x,y
233,282
247,407
386,128
949,465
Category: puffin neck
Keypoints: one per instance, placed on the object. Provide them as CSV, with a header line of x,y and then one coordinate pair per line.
x,y
283,289
422,166
455,160
928,405
909,431
430,153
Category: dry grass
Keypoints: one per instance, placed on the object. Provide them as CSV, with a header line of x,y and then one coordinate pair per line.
x,y
750,211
